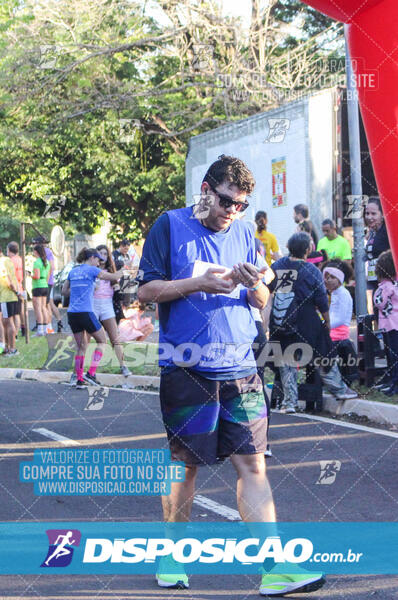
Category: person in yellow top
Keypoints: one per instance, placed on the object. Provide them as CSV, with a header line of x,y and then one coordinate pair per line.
x,y
268,239
8,302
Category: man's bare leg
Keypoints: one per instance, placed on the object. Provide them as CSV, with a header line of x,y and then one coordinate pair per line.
x,y
177,506
254,495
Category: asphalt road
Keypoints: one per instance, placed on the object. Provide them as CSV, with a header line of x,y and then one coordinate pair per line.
x,y
365,489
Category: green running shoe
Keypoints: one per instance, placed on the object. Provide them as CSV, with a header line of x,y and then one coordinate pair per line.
x,y
279,584
171,574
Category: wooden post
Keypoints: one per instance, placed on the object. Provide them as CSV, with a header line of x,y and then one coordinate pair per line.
x,y
24,301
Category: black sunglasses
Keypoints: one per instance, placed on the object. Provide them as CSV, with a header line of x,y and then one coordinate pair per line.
x,y
227,202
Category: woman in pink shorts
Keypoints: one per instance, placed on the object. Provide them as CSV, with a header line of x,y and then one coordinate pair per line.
x,y
103,306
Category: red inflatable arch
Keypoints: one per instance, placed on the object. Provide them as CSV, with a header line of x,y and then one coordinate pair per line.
x,y
373,43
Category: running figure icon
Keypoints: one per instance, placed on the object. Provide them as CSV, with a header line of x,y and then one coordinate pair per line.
x,y
61,542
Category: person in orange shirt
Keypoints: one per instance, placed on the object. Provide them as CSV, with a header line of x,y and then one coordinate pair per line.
x,y
13,254
8,302
268,239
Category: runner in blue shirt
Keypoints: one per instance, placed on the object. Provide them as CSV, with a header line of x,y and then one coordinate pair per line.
x,y
198,263
81,317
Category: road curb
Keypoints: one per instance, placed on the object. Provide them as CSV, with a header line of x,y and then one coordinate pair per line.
x,y
379,412
106,379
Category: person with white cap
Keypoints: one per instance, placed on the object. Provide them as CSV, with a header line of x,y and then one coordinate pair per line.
x,y
335,273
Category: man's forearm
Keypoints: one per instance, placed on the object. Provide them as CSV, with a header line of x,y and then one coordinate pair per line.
x,y
258,298
166,291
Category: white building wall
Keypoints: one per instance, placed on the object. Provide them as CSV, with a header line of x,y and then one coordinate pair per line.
x,y
307,148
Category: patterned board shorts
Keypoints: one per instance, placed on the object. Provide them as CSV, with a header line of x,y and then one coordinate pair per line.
x,y
208,420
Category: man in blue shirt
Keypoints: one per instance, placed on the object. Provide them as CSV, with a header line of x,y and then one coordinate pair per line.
x,y
198,264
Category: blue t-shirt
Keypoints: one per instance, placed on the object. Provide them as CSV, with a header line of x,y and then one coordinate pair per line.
x,y
156,265
81,280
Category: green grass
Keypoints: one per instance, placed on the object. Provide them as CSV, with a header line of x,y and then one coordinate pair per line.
x,y
31,356
140,357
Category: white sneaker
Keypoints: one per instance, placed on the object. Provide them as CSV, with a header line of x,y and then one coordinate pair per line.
x,y
349,394
12,352
73,379
125,371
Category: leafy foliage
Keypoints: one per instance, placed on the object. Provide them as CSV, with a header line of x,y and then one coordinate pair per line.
x,y
98,99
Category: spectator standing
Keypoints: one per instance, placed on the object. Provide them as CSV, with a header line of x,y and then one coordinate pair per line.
x,y
8,303
203,404
306,228
104,309
386,301
376,243
299,295
121,257
13,254
50,308
40,275
335,245
300,214
267,238
121,254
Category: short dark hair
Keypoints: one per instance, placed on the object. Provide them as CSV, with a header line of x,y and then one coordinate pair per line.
x,y
302,209
385,268
305,226
260,214
232,170
13,247
39,240
329,222
125,242
298,244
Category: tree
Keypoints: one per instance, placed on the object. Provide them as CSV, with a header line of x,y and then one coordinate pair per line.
x,y
312,22
100,97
